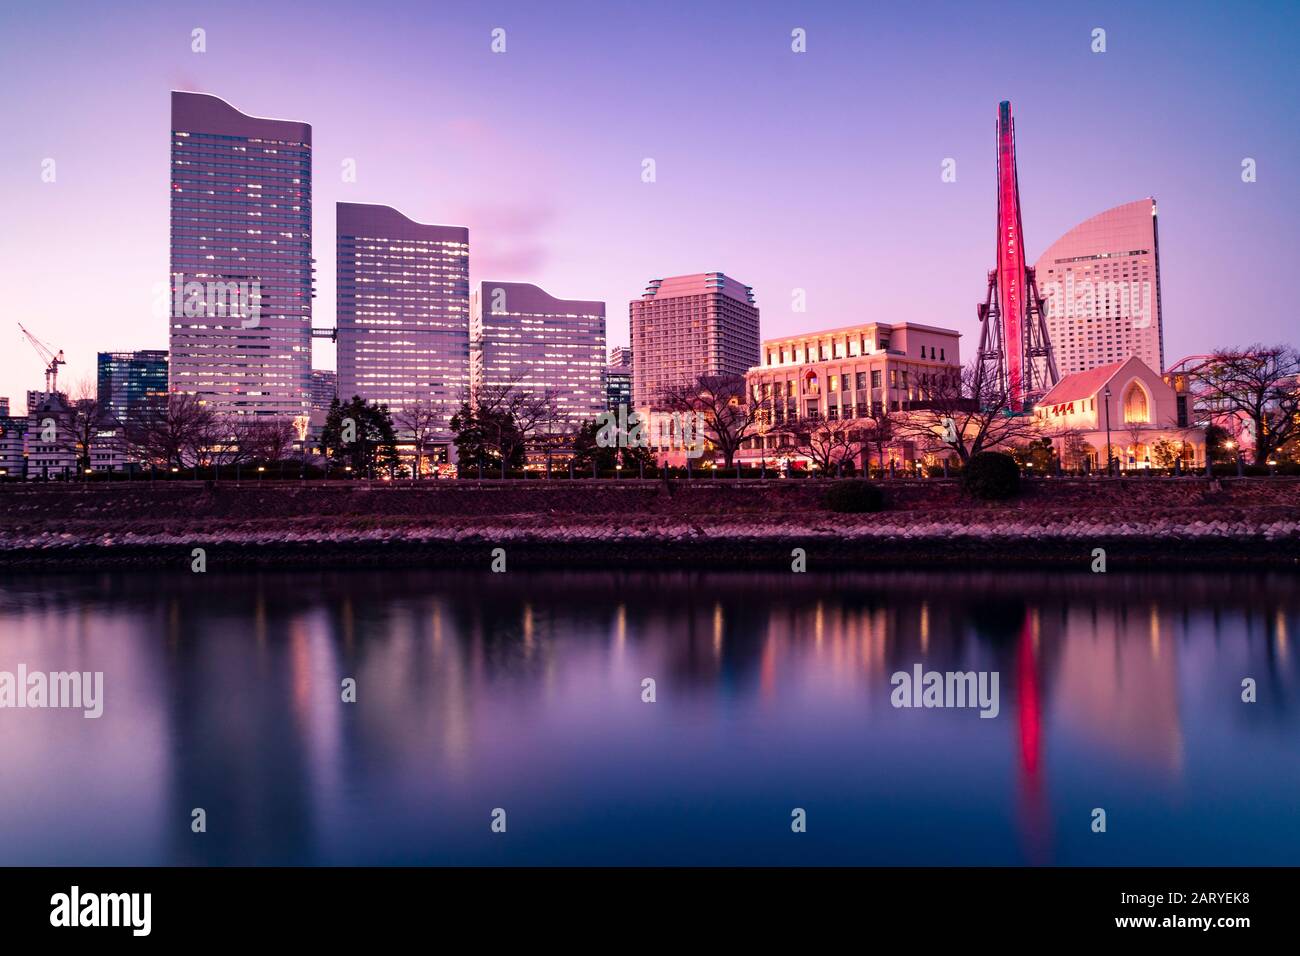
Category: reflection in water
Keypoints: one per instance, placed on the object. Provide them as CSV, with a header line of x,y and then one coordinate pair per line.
x,y
524,691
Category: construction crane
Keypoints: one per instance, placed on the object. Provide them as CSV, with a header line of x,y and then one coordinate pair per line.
x,y
52,361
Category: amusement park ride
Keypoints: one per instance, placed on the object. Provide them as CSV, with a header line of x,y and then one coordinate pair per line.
x,y
1015,354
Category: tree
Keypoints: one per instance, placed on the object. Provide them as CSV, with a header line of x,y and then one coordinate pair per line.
x,y
730,414
1262,385
419,420
472,450
172,433
1164,453
263,438
361,434
1036,454
85,419
496,422
1216,443
587,448
828,442
1072,449
968,414
879,433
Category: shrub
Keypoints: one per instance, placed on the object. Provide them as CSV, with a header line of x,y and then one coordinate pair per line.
x,y
991,475
854,496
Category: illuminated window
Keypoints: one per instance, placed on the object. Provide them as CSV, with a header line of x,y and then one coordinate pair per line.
x,y
1136,406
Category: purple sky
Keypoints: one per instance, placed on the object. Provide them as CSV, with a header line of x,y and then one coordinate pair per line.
x,y
818,171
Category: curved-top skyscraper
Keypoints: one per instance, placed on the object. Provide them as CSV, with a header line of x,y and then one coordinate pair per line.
x,y
1102,284
403,312
241,266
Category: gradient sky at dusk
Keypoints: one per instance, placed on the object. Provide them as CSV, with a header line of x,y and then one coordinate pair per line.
x,y
818,171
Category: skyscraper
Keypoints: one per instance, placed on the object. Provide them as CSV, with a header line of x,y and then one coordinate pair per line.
x,y
688,326
324,388
129,380
403,311
1102,284
241,265
620,356
542,345
618,387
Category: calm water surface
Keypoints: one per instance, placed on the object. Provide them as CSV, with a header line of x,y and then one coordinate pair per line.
x,y
523,691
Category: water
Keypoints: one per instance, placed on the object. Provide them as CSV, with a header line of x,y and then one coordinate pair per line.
x,y
523,692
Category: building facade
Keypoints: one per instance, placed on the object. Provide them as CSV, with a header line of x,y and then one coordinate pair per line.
x,y
1102,285
1127,404
618,387
324,388
620,356
403,312
50,447
856,372
525,338
130,380
688,326
241,258
13,445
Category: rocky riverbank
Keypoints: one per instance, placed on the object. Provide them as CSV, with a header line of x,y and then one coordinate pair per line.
x,y
1137,522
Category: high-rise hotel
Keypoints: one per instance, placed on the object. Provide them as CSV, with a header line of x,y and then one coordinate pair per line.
x,y
403,311
552,348
241,264
688,326
1102,284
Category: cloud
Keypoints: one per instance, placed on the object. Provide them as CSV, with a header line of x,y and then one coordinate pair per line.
x,y
508,240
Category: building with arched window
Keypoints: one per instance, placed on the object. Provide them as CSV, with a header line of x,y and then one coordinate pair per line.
x,y
1139,406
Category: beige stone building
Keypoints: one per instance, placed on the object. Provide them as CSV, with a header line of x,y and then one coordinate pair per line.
x,y
854,372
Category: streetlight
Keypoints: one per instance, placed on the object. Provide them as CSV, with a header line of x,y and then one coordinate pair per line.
x,y
1109,456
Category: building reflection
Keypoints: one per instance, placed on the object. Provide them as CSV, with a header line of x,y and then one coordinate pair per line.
x,y
469,684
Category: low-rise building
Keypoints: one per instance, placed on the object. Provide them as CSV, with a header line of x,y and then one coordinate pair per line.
x,y
857,372
13,432
1126,403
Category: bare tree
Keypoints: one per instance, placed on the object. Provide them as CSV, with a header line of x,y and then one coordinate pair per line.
x,y
731,415
171,433
269,439
968,414
1136,433
829,442
419,420
1261,384
84,422
879,432
509,416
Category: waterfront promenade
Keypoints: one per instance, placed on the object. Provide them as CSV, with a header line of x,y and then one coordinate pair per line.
x,y
1147,522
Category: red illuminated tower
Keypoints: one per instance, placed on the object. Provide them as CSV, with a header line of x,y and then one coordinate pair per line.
x,y
1015,355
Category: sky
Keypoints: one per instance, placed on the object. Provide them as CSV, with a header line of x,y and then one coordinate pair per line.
x,y
817,171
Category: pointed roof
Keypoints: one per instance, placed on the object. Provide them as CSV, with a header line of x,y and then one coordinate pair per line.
x,y
1083,384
